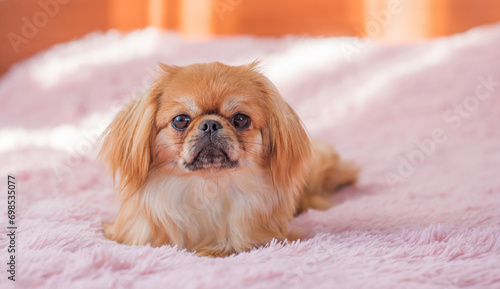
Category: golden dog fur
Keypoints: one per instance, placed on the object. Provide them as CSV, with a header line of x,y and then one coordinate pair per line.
x,y
244,197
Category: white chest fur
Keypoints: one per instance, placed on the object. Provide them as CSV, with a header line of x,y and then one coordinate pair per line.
x,y
197,211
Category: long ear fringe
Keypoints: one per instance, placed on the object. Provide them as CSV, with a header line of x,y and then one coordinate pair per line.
x,y
126,143
288,143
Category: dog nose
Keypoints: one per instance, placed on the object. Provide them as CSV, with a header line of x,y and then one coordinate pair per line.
x,y
209,126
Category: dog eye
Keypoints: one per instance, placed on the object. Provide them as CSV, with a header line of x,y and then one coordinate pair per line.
x,y
181,122
241,121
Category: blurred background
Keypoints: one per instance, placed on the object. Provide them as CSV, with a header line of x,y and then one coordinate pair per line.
x,y
43,23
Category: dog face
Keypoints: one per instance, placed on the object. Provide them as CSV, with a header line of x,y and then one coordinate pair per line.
x,y
208,119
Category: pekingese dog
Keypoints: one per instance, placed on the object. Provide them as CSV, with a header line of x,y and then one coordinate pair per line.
x,y
213,160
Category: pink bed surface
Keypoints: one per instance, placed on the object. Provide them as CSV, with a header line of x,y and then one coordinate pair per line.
x,y
423,121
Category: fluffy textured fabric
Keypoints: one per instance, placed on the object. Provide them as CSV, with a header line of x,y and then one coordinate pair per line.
x,y
423,121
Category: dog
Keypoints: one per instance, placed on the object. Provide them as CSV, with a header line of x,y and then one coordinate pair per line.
x,y
213,160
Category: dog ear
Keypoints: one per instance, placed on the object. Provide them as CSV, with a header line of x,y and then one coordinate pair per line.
x,y
287,142
126,145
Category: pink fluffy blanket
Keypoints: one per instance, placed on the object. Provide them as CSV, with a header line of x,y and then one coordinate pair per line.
x,y
422,120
